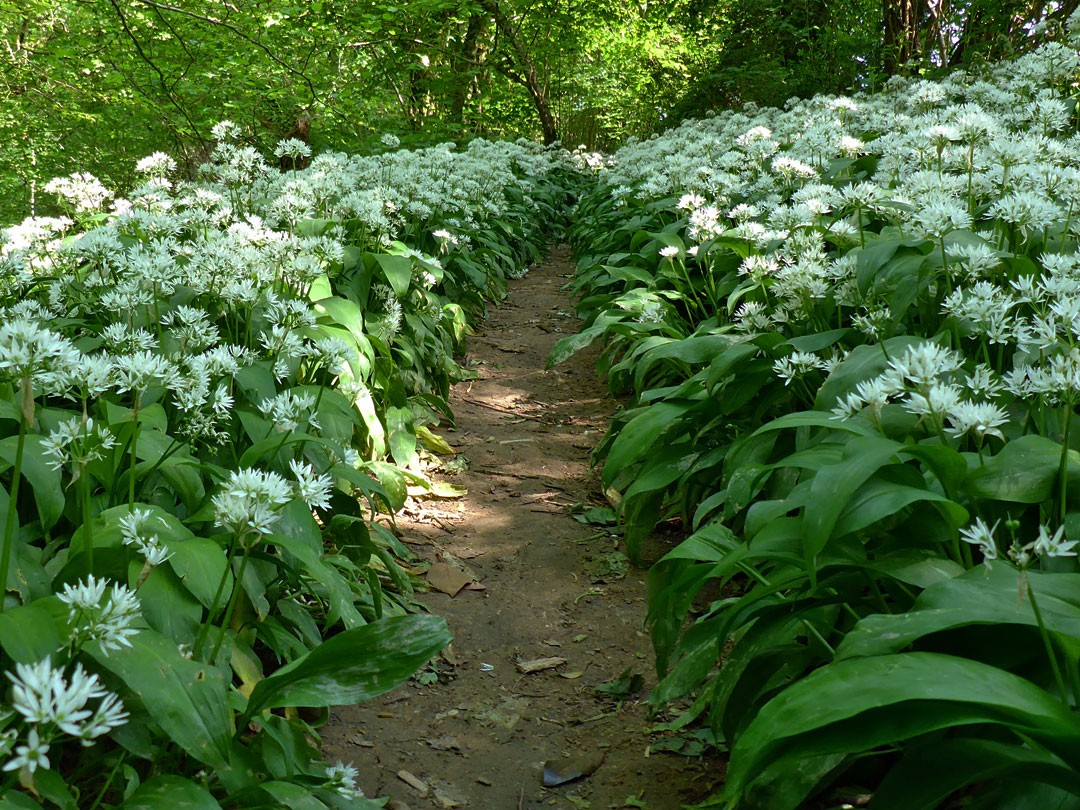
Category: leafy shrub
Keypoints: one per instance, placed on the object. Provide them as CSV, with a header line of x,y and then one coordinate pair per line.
x,y
208,391
850,333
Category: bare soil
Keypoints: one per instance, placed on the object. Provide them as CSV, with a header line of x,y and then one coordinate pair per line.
x,y
479,736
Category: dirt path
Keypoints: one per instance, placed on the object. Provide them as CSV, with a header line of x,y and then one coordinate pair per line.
x,y
479,736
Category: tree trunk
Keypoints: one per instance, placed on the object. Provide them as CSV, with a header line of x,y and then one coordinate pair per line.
x,y
525,72
465,68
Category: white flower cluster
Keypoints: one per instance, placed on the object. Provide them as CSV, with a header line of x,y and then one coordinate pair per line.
x,y
53,704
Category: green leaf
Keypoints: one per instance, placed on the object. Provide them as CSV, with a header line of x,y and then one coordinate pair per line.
x,y
12,800
168,606
166,792
834,486
1023,472
637,437
862,363
976,598
963,692
28,633
931,773
393,482
887,492
568,346
199,563
353,666
295,797
341,595
398,271
187,699
45,481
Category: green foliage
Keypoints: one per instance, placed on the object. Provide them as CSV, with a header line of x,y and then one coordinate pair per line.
x,y
206,399
820,317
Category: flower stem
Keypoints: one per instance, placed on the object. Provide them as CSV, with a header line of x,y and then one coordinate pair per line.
x,y
215,601
1063,466
134,445
1058,679
12,509
227,619
88,531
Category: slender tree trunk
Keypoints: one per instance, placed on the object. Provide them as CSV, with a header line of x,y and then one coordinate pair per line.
x,y
465,68
525,72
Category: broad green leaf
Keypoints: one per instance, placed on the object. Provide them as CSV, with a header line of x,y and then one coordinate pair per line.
x,y
862,363
398,271
822,419
639,435
392,481
887,492
45,481
169,792
834,486
28,633
568,346
13,800
973,691
295,797
976,598
199,563
187,699
167,605
340,594
353,666
932,772
1023,472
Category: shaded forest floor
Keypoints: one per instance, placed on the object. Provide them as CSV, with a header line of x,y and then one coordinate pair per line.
x,y
474,730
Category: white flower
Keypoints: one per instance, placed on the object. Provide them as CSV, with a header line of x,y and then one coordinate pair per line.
x,y
342,778
27,350
30,756
669,252
156,165
312,487
924,363
940,214
292,148
250,502
41,694
979,418
1048,545
225,131
796,364
938,400
76,442
139,371
109,624
135,530
288,411
981,535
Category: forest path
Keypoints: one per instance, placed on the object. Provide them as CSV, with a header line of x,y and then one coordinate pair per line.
x,y
552,588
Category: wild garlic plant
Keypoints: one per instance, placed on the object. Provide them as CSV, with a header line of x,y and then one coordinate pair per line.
x,y
850,332
208,387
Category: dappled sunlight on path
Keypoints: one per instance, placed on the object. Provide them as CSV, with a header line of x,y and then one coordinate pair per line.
x,y
552,588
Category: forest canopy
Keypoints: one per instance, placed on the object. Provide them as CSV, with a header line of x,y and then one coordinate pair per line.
x,y
101,83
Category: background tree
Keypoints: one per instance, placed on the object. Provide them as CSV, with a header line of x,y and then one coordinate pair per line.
x,y
98,84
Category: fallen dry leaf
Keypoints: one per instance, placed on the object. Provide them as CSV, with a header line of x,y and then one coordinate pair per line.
x,y
445,744
414,782
539,664
561,771
446,579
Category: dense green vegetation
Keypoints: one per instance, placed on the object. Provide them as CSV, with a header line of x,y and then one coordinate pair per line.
x,y
849,331
99,85
207,399
833,252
